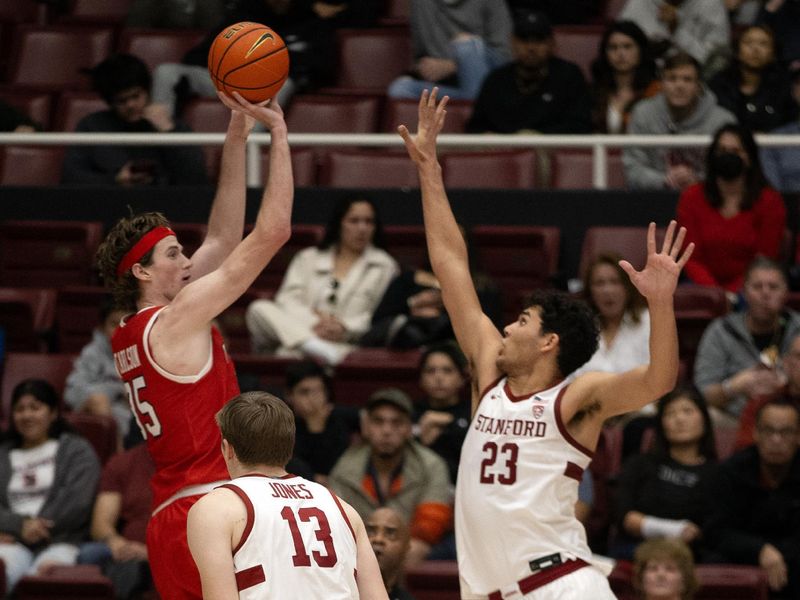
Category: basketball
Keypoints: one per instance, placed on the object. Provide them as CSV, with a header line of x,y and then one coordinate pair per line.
x,y
249,58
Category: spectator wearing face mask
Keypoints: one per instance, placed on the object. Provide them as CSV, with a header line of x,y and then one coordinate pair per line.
x,y
734,215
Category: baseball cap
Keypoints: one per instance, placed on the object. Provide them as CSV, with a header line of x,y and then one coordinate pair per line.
x,y
532,24
393,396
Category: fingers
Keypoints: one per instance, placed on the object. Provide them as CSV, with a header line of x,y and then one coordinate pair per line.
x,y
651,239
627,267
686,255
667,245
676,247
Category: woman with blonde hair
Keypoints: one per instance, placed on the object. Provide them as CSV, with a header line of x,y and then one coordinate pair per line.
x,y
663,569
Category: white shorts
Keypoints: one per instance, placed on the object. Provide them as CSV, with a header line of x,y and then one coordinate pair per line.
x,y
584,583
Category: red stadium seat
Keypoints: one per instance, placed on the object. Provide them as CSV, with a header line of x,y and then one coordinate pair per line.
x,y
333,114
369,59
628,242
578,44
99,430
77,582
36,105
73,106
77,315
31,165
303,236
368,169
397,12
695,307
208,115
406,243
572,170
499,169
112,12
53,57
19,366
269,371
613,8
404,112
434,580
19,11
304,166
47,253
26,315
232,322
366,370
158,46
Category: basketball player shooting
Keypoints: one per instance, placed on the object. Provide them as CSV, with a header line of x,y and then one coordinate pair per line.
x,y
532,434
173,362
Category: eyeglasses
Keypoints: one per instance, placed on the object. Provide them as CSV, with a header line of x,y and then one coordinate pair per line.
x,y
785,433
334,285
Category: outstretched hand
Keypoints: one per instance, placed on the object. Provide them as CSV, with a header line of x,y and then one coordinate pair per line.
x,y
659,277
268,112
422,147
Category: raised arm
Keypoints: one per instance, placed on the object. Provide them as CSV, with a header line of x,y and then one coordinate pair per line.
x,y
476,334
226,221
656,282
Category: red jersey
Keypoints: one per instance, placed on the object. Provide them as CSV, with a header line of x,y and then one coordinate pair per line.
x,y
175,412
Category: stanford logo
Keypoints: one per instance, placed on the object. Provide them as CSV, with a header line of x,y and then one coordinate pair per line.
x,y
538,411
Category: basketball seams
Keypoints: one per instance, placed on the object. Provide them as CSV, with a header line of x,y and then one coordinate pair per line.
x,y
231,45
247,64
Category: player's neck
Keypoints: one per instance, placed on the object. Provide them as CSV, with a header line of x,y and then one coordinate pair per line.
x,y
266,470
541,377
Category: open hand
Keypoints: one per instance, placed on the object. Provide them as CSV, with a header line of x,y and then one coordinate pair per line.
x,y
659,277
422,147
268,112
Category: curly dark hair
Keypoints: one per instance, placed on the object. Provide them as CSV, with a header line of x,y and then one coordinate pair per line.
x,y
333,229
119,240
574,323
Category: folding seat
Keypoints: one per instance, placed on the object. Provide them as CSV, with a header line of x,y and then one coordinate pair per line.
x,y
578,44
47,253
77,314
397,12
572,170
267,372
19,366
369,59
406,243
368,169
111,12
53,57
333,114
302,237
695,307
73,106
612,9
31,165
499,169
99,430
605,468
628,242
434,580
26,315
366,370
157,46
75,582
18,11
404,112
208,115
232,322
732,582
37,105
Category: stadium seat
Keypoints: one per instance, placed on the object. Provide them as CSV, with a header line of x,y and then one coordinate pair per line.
x,y
111,12
19,366
208,115
76,582
99,430
73,106
47,253
53,57
500,169
304,166
77,314
232,323
303,236
695,307
26,316
333,114
578,44
366,370
404,112
406,244
269,372
158,46
628,242
397,12
612,9
37,105
31,165
369,59
190,236
19,11
368,169
433,580
572,170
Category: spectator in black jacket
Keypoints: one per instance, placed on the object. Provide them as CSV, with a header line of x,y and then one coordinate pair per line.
x,y
782,16
756,87
755,497
537,92
124,83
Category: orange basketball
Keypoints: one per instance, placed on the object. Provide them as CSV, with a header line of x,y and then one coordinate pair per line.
x,y
249,58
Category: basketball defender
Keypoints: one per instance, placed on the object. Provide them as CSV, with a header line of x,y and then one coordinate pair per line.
x,y
173,362
269,535
532,434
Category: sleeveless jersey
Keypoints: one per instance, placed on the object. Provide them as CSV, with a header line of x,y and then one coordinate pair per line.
x,y
175,412
297,542
516,489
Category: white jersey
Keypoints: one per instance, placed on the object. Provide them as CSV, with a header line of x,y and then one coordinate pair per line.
x,y
297,542
516,491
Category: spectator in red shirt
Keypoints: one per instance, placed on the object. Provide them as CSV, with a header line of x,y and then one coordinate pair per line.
x,y
734,215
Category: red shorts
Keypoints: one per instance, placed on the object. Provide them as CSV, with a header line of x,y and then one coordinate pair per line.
x,y
174,572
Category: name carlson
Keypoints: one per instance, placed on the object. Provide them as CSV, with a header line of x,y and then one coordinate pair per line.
x,y
127,359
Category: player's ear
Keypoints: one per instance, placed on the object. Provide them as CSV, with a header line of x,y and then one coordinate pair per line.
x,y
550,341
140,272
227,449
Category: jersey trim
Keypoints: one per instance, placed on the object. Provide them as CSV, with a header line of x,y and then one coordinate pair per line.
x,y
562,428
250,577
162,371
573,471
344,515
513,398
490,386
251,514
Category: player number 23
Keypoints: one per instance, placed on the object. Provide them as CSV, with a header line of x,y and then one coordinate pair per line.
x,y
507,453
